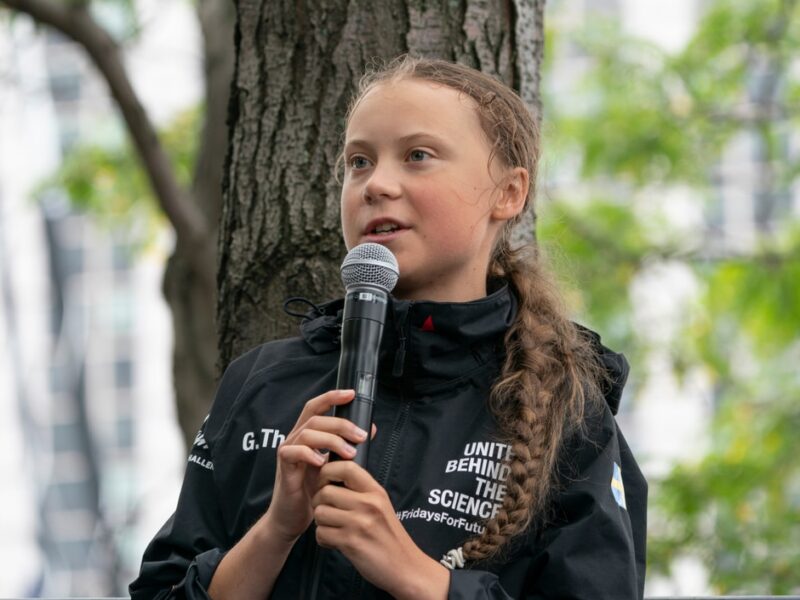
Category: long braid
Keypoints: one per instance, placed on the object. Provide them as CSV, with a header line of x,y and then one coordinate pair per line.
x,y
549,374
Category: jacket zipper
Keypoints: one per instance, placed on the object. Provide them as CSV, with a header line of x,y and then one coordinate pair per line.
x,y
399,358
400,354
394,441
400,421
357,583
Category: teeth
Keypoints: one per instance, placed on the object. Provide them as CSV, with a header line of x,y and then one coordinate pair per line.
x,y
385,227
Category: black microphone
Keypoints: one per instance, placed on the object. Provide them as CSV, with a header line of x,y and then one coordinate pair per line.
x,y
369,273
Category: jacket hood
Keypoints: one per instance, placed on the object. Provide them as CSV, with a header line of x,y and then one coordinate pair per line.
x,y
426,344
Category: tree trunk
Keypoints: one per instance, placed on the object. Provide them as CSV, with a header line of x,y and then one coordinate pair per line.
x,y
190,298
297,65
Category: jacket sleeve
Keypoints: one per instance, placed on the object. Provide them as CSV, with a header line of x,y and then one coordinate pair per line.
x,y
594,544
181,559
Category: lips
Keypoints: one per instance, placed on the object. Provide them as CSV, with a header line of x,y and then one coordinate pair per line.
x,y
383,226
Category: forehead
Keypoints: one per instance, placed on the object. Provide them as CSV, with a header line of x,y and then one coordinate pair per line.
x,y
414,103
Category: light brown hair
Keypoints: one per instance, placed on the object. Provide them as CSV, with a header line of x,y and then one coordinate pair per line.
x,y
550,372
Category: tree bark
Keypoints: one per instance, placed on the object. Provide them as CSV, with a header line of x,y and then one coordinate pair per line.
x,y
297,65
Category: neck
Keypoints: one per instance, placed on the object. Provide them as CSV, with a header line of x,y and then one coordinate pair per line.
x,y
440,294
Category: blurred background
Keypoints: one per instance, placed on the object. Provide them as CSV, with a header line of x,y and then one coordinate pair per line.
x,y
669,202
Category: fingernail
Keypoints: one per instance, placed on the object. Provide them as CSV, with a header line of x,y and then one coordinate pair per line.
x,y
350,449
360,433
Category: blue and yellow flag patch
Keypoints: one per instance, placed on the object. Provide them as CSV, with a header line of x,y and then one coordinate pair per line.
x,y
617,488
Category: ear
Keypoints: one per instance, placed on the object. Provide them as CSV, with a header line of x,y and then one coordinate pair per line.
x,y
513,193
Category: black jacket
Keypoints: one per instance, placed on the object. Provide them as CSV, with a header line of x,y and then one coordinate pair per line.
x,y
435,453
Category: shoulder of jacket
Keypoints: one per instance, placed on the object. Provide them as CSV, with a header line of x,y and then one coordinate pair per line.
x,y
583,445
245,368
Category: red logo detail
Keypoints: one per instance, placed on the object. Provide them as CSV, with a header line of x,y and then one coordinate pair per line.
x,y
428,324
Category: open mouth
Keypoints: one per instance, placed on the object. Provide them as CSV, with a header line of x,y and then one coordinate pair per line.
x,y
384,229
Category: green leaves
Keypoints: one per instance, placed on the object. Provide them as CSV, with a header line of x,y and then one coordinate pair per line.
x,y
108,181
739,507
641,127
597,247
761,294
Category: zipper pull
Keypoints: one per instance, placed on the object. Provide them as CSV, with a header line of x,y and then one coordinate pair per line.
x,y
399,358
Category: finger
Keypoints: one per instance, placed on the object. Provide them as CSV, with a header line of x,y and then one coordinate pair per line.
x,y
337,496
326,515
321,404
350,474
342,427
374,431
320,440
295,455
329,537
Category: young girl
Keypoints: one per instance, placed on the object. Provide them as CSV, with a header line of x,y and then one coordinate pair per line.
x,y
496,469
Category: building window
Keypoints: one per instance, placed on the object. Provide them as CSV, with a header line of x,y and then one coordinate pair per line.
x,y
125,433
123,374
122,312
73,260
66,437
65,87
72,495
121,257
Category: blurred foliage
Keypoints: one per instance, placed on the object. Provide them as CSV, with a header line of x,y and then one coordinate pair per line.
x,y
108,181
737,509
599,279
643,121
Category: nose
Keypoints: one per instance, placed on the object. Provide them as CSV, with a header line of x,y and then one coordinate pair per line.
x,y
383,184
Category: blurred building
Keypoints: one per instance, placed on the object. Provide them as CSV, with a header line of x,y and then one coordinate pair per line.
x,y
89,438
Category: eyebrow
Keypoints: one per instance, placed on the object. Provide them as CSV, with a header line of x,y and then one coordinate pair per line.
x,y
406,139
421,135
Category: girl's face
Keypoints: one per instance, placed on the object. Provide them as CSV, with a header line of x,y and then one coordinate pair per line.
x,y
417,180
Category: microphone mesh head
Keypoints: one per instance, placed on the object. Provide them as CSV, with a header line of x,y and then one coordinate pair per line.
x,y
371,264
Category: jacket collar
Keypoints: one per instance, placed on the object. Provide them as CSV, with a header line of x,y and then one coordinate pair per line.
x,y
431,343
427,344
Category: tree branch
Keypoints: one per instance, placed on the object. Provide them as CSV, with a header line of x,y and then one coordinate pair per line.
x,y
74,21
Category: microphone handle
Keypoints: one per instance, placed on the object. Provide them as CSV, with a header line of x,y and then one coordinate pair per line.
x,y
362,330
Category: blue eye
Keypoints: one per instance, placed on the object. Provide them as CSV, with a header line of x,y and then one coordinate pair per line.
x,y
418,155
358,162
